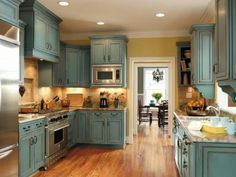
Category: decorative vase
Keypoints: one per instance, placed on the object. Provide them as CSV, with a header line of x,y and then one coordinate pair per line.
x,y
116,103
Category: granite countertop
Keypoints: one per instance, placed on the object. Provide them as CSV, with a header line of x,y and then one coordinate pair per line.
x,y
22,118
199,136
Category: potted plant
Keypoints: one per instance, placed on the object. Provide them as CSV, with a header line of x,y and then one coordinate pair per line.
x,y
157,96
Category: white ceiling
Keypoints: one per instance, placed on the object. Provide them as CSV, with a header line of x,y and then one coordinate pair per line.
x,y
130,17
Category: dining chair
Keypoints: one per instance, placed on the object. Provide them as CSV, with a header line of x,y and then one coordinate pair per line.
x,y
144,114
163,115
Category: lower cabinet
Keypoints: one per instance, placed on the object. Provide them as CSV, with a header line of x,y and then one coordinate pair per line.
x,y
202,159
83,127
31,147
72,129
101,127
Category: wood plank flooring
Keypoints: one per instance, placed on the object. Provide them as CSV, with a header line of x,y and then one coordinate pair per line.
x,y
150,156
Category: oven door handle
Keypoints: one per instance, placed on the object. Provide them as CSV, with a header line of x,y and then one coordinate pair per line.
x,y
65,126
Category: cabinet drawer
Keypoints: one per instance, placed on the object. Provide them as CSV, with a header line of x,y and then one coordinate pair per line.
x,y
31,126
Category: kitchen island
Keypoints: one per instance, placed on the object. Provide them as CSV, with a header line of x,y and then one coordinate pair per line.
x,y
201,154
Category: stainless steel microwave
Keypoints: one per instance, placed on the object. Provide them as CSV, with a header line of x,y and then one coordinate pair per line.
x,y
107,75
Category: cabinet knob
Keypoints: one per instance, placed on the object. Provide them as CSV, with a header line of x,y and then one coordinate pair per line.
x,y
35,139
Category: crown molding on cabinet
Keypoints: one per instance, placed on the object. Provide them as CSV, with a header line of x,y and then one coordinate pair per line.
x,y
142,34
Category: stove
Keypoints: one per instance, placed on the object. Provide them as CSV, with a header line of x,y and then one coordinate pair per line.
x,y
56,137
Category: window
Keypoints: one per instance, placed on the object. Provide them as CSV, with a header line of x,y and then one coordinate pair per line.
x,y
151,86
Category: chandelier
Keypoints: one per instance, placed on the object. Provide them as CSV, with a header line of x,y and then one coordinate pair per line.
x,y
157,75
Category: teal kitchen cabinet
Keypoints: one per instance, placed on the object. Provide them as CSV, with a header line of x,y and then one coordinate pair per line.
x,y
59,69
202,50
83,120
84,67
115,129
22,56
108,49
72,65
202,159
31,147
225,46
9,11
77,66
42,31
108,127
72,130
97,128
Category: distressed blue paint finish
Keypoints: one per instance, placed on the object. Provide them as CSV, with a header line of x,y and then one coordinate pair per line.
x,y
9,11
202,159
225,45
72,129
202,46
102,127
42,31
31,147
108,49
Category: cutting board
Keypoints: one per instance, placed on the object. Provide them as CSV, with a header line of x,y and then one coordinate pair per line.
x,y
76,99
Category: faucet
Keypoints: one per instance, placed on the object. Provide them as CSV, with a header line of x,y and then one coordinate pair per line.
x,y
215,109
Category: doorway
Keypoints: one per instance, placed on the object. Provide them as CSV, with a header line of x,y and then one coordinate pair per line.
x,y
149,62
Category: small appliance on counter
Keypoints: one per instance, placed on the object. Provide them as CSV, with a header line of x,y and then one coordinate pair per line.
x,y
103,101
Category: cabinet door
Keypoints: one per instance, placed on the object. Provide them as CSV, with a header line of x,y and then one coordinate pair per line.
x,y
222,41
97,130
115,130
70,131
53,39
115,51
72,56
9,11
205,75
82,127
26,156
98,51
40,34
39,148
84,71
59,69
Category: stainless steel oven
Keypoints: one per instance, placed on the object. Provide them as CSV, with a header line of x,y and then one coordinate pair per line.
x,y
56,138
106,75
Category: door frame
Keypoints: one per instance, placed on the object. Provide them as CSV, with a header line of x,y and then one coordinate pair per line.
x,y
134,63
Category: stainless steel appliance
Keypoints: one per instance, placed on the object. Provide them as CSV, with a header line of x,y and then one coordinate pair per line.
x,y
56,138
106,75
9,78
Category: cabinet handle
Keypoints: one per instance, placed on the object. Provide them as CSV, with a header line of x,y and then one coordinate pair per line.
x,y
47,45
109,58
35,139
103,124
97,114
178,143
50,46
185,164
31,141
192,77
104,58
114,114
187,143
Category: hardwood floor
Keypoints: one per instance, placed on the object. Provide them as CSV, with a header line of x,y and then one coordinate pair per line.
x,y
150,156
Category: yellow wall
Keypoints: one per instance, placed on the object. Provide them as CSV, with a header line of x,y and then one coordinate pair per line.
x,y
154,47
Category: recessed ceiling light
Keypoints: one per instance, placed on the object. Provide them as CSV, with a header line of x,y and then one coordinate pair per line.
x,y
160,15
63,3
100,23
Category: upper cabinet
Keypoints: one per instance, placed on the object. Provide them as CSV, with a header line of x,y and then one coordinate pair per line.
x,y
202,50
42,31
9,11
108,49
225,66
